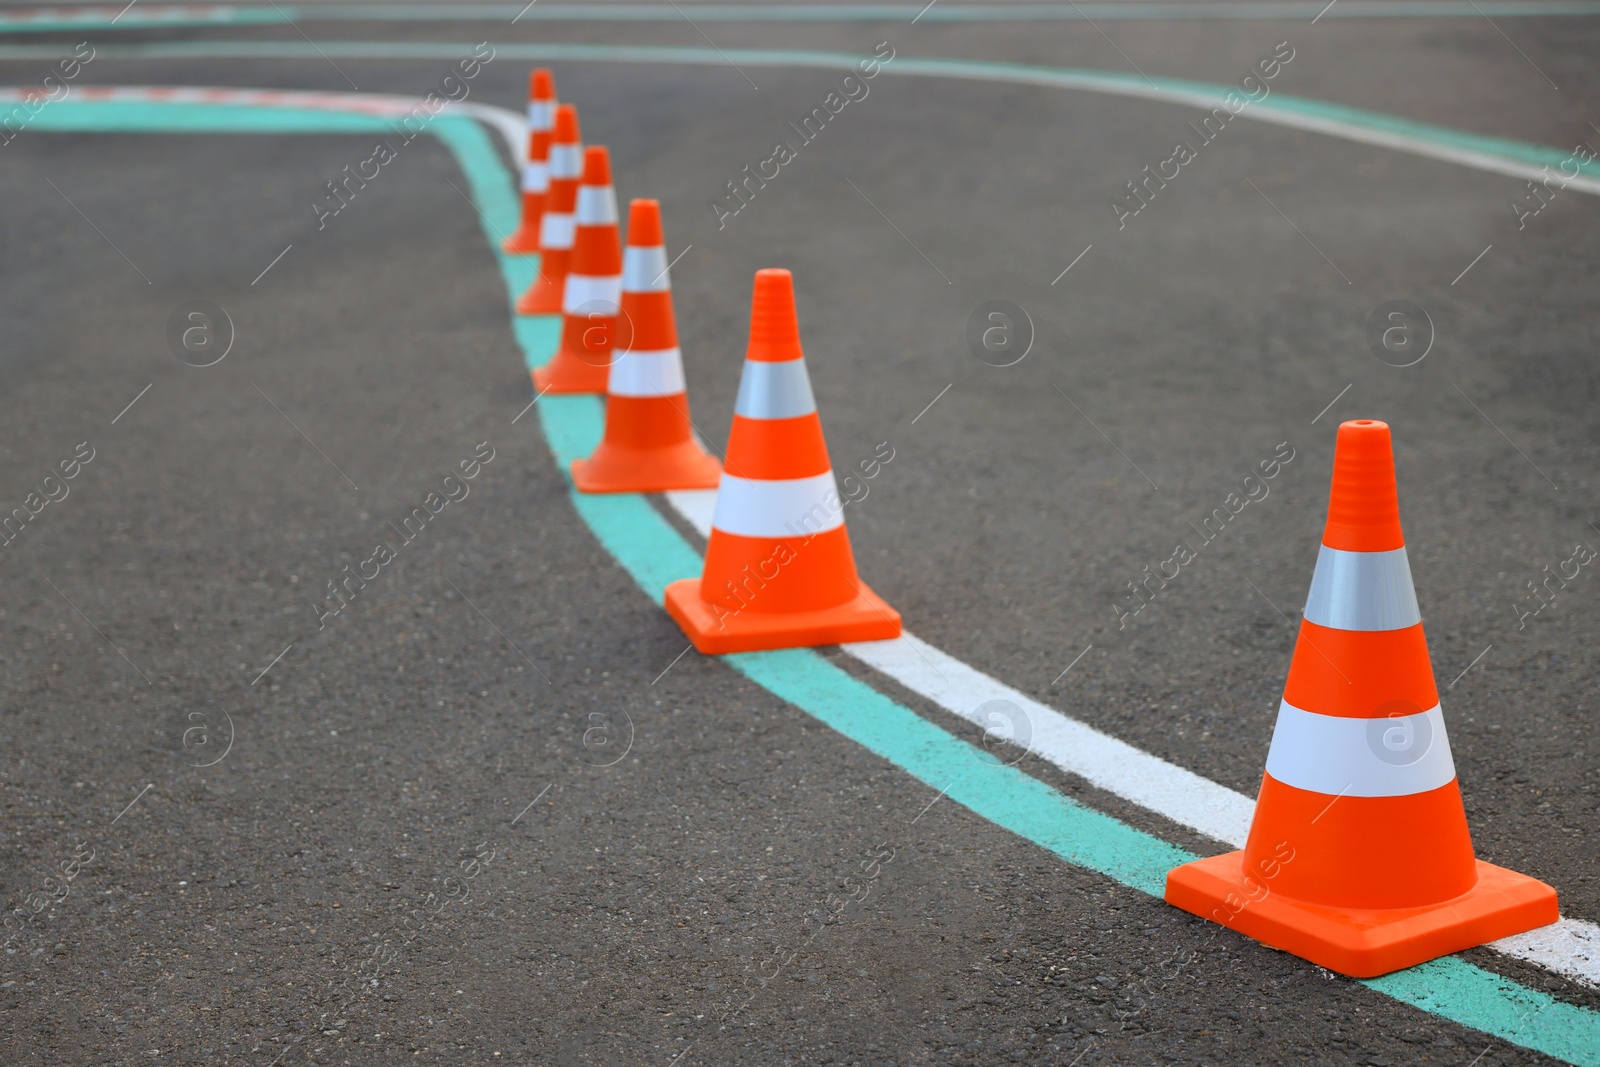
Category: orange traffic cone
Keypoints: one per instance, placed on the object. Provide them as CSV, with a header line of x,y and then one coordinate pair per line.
x,y
1359,857
649,444
555,225
593,287
536,170
779,572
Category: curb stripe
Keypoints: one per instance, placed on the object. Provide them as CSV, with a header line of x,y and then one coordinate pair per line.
x,y
654,554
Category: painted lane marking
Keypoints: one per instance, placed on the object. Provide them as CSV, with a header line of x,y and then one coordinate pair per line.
x,y
47,19
654,554
1491,154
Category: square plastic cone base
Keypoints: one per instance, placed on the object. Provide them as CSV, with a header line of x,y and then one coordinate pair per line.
x,y
1363,943
581,378
635,470
866,618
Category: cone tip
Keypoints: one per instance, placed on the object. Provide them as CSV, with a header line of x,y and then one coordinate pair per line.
x,y
596,165
774,327
644,224
542,84
566,131
1363,502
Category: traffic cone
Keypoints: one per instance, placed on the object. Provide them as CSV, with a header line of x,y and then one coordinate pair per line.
x,y
1359,858
649,444
593,288
536,170
555,224
779,572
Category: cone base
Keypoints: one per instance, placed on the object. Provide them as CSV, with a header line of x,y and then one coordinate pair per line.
x,y
524,242
1363,943
540,299
616,469
866,618
570,375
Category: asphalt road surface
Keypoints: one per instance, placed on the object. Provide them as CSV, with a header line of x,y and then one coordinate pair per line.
x,y
492,813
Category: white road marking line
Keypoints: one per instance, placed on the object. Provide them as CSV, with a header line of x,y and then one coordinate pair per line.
x,y
1104,761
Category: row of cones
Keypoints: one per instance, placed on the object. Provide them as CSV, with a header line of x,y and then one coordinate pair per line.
x,y
779,571
1358,858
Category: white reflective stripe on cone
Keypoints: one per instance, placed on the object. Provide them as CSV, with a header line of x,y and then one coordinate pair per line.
x,y
1362,591
1338,756
648,373
535,177
566,161
597,205
541,115
555,229
774,390
601,294
644,270
788,507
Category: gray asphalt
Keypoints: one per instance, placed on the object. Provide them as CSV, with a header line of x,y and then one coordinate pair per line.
x,y
410,851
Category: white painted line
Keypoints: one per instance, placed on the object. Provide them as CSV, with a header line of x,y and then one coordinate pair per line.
x,y
1569,947
1100,759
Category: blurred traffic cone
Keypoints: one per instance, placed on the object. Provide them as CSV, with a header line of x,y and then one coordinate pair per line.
x,y
536,169
555,225
779,572
593,287
649,444
1359,858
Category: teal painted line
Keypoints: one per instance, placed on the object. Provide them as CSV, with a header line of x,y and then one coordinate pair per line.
x,y
1457,990
1123,11
1200,94
100,115
970,776
653,554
